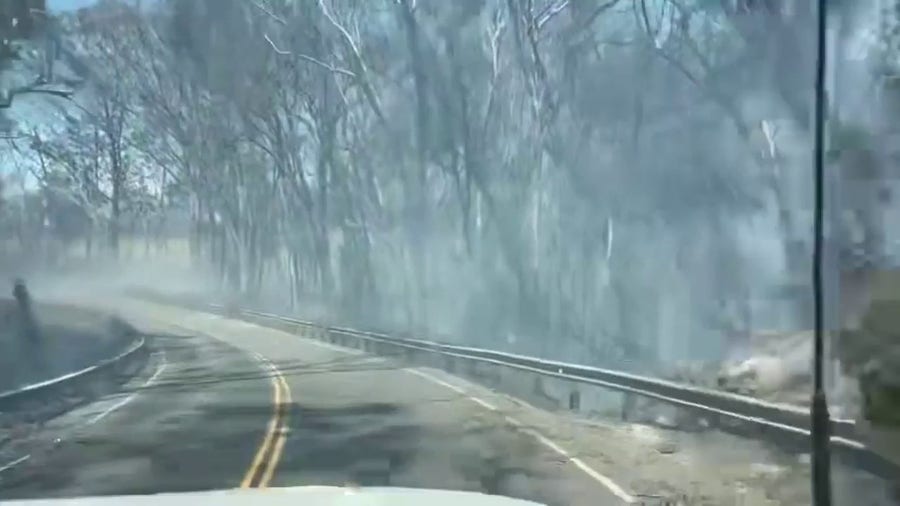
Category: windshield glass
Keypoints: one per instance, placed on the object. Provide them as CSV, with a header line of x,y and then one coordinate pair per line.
x,y
554,250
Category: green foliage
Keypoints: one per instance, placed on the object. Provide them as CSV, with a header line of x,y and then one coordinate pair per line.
x,y
853,147
846,136
872,352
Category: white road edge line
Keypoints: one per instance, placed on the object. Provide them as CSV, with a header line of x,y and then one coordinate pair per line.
x,y
580,464
150,380
476,400
97,418
14,463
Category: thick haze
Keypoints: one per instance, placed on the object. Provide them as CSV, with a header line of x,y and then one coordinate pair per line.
x,y
620,183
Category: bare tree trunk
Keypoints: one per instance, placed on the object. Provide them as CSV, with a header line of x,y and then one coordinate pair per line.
x,y
294,275
419,191
116,202
89,241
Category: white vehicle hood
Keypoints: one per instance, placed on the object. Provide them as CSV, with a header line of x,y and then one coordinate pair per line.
x,y
308,496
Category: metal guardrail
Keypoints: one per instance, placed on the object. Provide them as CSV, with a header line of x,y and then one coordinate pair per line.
x,y
788,422
48,398
15,395
785,417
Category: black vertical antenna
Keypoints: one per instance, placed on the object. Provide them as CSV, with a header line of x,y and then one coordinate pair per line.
x,y
821,437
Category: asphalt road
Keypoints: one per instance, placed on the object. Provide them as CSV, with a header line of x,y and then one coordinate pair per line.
x,y
168,434
228,404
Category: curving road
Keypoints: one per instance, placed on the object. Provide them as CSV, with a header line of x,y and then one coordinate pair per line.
x,y
227,404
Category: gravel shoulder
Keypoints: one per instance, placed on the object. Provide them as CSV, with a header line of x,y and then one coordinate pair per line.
x,y
691,468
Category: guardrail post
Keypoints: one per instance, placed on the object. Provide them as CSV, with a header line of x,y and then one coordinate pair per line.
x,y
628,404
471,368
23,301
28,327
538,385
574,400
477,370
449,364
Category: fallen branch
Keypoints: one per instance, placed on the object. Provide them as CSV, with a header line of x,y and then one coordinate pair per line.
x,y
21,90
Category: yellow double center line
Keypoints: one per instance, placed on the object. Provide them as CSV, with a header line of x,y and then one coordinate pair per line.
x,y
265,461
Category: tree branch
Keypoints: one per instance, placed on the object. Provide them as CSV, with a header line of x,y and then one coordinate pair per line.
x,y
21,90
274,47
549,12
362,78
271,14
308,58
